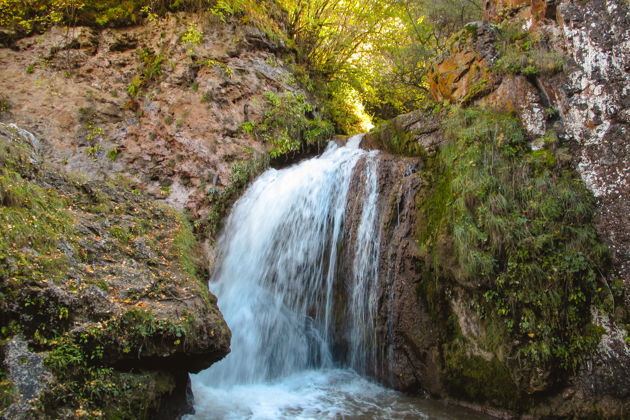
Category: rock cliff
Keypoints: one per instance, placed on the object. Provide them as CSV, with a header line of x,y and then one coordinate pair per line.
x,y
561,68
149,102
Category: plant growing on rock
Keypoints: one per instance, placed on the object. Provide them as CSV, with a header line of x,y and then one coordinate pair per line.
x,y
519,53
192,38
151,70
286,126
510,229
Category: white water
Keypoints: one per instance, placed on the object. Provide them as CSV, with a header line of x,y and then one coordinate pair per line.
x,y
275,279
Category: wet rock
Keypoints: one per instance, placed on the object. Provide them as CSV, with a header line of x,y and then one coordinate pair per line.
x,y
29,376
416,133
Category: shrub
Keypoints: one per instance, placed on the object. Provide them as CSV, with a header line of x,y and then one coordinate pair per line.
x,y
286,126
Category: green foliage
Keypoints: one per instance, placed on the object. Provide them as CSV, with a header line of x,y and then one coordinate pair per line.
x,y
93,151
286,126
28,16
192,37
112,154
225,9
96,391
151,70
24,17
514,227
519,53
248,127
379,50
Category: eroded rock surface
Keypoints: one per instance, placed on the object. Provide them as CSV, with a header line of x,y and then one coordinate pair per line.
x,y
178,133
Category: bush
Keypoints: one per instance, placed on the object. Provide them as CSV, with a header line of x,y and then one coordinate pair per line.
x,y
287,128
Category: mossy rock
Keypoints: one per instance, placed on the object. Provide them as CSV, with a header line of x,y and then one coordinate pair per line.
x,y
418,133
510,231
105,282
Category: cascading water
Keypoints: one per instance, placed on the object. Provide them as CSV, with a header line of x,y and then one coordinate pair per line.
x,y
277,286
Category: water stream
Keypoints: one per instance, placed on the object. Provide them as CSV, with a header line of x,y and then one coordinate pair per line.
x,y
278,287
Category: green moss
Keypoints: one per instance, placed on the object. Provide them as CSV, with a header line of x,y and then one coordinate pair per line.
x,y
34,220
402,143
514,228
480,380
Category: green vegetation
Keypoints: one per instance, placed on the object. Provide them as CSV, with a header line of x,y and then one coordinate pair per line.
x,y
519,53
151,71
286,127
102,392
112,154
480,379
191,38
513,228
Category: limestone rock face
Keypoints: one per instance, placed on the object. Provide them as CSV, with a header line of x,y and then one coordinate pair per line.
x,y
30,377
516,94
593,99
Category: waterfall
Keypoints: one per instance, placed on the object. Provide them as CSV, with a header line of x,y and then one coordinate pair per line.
x,y
297,280
276,274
